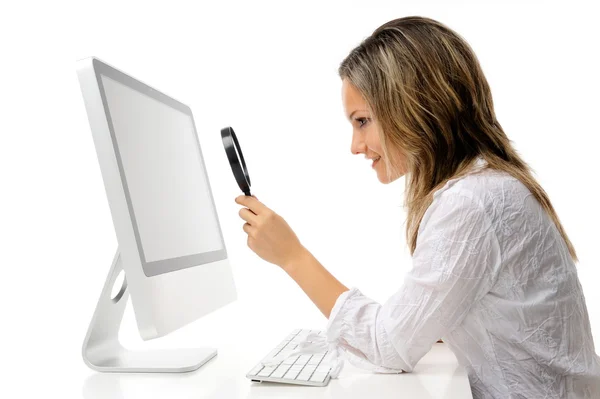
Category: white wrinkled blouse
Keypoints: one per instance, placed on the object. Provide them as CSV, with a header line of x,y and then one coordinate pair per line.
x,y
494,279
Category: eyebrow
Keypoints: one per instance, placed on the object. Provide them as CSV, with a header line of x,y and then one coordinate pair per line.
x,y
353,112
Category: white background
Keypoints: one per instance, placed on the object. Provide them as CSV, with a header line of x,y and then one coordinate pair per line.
x,y
270,71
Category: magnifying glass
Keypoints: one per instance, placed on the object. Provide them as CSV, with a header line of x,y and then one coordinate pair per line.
x,y
236,159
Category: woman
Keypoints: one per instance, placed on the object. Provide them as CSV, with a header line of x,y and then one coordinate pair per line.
x,y
493,269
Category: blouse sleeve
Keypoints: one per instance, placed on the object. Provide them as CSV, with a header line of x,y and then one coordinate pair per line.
x,y
455,263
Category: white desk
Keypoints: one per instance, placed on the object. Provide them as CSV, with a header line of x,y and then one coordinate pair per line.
x,y
436,376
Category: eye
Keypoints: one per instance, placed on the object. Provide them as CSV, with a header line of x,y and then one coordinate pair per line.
x,y
362,121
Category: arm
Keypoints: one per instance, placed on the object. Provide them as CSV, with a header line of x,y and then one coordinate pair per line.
x,y
320,285
454,265
270,237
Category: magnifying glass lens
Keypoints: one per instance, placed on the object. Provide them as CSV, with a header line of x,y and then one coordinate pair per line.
x,y
236,159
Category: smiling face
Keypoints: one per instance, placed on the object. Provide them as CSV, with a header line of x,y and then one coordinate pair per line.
x,y
365,132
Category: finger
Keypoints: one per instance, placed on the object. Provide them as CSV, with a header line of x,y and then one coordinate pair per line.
x,y
252,203
248,229
248,216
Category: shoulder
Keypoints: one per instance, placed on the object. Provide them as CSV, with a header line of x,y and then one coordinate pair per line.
x,y
478,196
483,186
460,221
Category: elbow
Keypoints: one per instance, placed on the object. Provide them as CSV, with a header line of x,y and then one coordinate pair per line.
x,y
392,361
403,367
387,354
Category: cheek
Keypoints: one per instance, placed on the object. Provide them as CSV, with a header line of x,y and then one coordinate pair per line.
x,y
373,142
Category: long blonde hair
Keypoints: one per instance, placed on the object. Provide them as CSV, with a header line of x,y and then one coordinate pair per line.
x,y
427,91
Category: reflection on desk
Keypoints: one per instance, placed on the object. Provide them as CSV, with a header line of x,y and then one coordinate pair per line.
x,y
436,376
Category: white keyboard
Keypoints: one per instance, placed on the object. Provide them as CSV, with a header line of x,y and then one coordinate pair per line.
x,y
303,369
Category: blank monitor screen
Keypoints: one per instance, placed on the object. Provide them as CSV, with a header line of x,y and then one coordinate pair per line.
x,y
164,176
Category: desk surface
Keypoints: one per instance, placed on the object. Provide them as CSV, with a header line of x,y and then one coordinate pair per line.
x,y
437,375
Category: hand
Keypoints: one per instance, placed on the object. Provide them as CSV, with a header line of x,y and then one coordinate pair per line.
x,y
269,236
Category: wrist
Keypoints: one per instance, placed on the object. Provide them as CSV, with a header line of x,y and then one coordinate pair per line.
x,y
295,261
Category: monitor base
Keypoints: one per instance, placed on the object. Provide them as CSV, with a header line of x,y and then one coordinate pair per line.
x,y
103,352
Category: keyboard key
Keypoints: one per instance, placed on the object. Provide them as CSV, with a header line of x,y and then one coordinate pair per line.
x,y
291,374
318,377
266,372
290,360
273,353
314,360
284,352
256,370
280,371
297,368
309,368
305,375
303,359
323,368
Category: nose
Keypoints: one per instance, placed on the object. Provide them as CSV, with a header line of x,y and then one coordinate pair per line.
x,y
358,145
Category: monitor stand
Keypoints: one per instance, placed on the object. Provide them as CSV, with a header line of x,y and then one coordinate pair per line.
x,y
102,350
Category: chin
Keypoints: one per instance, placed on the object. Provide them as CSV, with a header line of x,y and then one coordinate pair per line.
x,y
382,177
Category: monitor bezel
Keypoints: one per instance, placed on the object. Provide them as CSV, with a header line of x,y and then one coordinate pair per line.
x,y
163,266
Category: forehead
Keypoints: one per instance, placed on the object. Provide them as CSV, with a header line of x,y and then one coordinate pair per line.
x,y
352,99
351,96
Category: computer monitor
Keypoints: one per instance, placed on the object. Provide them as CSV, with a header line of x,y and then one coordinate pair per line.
x,y
170,243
